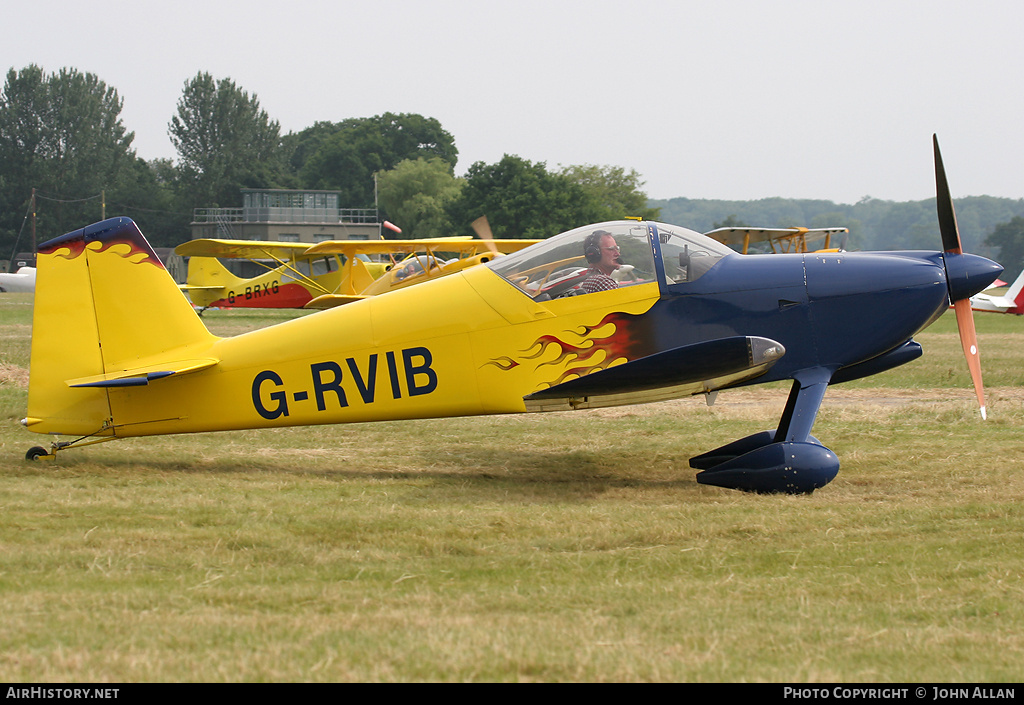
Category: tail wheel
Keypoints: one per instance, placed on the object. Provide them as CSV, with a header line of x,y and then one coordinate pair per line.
x,y
36,453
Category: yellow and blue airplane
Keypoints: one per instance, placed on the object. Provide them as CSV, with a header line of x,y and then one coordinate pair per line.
x,y
118,352
327,274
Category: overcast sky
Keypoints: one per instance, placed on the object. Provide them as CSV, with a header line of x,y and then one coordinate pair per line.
x,y
726,99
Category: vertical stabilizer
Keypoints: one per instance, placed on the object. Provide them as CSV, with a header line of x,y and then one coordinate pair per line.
x,y
360,277
209,281
1016,293
104,302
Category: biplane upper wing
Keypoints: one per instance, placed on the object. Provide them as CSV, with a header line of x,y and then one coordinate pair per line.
x,y
462,245
791,239
242,249
257,249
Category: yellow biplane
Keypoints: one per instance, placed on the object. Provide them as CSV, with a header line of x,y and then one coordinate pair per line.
x,y
118,352
424,260
291,279
780,239
300,275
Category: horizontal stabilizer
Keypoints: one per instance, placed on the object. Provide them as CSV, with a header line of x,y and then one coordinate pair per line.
x,y
140,376
195,287
691,369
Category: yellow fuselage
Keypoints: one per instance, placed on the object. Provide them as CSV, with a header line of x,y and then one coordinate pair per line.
x,y
470,343
416,353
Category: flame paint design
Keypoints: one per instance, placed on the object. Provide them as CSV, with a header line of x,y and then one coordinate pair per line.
x,y
73,248
503,363
626,341
75,244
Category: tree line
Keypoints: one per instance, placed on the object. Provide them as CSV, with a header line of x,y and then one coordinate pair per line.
x,y
62,138
989,226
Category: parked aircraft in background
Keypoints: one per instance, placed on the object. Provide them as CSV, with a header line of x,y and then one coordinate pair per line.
x,y
781,239
695,318
1010,302
424,260
327,274
23,280
291,280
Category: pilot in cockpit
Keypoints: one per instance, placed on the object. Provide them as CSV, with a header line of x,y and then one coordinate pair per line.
x,y
602,254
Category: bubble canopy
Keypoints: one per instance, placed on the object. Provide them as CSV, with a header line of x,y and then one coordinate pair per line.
x,y
569,264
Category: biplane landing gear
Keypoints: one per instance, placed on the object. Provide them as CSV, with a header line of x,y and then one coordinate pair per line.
x,y
40,453
37,452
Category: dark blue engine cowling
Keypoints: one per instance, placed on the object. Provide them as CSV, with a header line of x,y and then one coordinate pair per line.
x,y
829,310
839,316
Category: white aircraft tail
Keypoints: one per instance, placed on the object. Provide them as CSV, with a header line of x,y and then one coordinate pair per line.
x,y
1016,291
1010,302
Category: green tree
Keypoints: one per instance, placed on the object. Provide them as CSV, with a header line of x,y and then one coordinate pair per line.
x,y
62,135
414,195
618,193
225,142
146,193
1009,238
346,156
347,162
521,200
730,222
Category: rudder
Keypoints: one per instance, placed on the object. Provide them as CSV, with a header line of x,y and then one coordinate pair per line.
x,y
104,302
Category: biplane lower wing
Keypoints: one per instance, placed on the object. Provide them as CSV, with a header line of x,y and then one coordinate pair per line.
x,y
332,300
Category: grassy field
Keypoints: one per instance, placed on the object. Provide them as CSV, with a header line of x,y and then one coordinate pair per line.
x,y
559,547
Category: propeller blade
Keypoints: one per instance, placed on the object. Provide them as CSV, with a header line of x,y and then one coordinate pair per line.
x,y
951,243
969,341
944,205
482,228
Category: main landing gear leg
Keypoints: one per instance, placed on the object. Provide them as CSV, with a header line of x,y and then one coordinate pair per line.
x,y
788,460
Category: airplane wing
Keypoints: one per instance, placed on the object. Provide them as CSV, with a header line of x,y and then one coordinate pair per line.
x,y
691,369
740,238
331,300
242,249
257,249
462,245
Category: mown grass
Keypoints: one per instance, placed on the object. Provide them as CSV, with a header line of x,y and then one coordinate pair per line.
x,y
559,547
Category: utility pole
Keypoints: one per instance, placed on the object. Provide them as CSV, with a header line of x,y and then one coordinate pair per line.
x,y
33,223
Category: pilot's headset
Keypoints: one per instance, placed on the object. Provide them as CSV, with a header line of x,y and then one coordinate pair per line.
x,y
592,246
